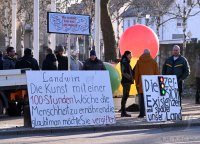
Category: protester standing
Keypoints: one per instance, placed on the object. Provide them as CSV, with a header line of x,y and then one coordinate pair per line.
x,y
146,65
62,60
177,65
127,80
27,61
50,62
197,76
1,60
9,60
93,63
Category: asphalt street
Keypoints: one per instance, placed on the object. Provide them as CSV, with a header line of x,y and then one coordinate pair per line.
x,y
142,136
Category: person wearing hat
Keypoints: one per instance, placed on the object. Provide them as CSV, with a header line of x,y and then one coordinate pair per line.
x,y
62,60
27,61
93,63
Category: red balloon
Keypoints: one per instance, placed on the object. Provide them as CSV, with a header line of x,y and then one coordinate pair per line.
x,y
138,37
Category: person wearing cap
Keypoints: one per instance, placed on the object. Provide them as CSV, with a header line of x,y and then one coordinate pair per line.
x,y
27,61
62,60
93,63
146,65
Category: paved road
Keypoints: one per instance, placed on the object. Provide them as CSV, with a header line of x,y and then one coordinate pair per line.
x,y
145,136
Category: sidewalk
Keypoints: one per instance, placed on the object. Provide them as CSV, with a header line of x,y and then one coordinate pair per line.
x,y
190,114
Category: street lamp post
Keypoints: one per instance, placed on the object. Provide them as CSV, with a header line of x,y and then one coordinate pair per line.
x,y
52,37
36,30
97,27
14,32
184,27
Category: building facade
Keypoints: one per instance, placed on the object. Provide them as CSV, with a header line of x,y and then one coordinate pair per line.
x,y
170,31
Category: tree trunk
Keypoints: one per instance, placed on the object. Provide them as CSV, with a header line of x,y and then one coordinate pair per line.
x,y
184,28
118,37
158,26
158,34
107,32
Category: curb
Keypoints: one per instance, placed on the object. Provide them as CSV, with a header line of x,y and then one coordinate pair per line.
x,y
87,129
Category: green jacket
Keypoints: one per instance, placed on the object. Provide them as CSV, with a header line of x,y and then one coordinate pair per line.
x,y
180,67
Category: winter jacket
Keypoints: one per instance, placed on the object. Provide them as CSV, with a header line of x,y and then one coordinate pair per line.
x,y
9,63
93,65
62,62
50,62
178,67
27,61
75,64
197,73
127,73
146,65
1,63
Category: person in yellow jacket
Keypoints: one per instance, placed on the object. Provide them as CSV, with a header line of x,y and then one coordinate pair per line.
x,y
146,65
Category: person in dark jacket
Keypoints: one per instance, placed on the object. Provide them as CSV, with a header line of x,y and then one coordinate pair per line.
x,y
177,65
62,60
27,61
93,63
1,60
9,60
50,62
127,80
197,76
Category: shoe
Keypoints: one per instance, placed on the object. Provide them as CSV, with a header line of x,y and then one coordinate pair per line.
x,y
125,115
140,116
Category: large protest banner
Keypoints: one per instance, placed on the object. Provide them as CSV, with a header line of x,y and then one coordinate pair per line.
x,y
60,98
161,96
68,23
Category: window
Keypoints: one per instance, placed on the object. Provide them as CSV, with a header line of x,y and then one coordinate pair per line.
x,y
129,23
139,21
134,21
189,2
177,36
179,22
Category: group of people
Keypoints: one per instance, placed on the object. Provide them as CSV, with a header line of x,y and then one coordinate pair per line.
x,y
53,61
146,65
9,61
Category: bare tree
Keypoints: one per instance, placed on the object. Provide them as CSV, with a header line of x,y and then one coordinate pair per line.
x,y
116,7
155,8
184,11
159,8
25,19
5,19
108,32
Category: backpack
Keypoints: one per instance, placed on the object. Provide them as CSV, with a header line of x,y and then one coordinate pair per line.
x,y
23,63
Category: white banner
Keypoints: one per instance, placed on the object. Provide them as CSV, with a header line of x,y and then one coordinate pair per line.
x,y
161,107
60,98
68,23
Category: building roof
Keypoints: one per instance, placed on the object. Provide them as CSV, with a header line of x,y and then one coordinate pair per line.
x,y
135,11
